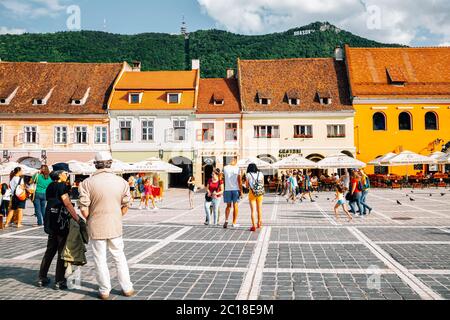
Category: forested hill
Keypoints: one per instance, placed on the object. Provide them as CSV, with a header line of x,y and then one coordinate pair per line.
x,y
217,50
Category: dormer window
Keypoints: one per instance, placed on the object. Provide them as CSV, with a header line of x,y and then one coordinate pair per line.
x,y
324,97
218,99
80,96
7,94
293,97
174,98
43,97
264,98
396,76
135,98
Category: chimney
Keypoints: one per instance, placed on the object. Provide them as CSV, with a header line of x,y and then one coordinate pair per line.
x,y
339,53
195,64
136,66
230,73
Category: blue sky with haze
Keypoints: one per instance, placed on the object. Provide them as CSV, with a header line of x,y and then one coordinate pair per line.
x,y
411,22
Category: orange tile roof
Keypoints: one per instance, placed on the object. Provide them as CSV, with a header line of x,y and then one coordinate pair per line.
x,y
35,80
426,72
227,89
304,77
157,80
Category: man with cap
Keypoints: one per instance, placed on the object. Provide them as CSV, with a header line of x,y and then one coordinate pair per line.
x,y
104,200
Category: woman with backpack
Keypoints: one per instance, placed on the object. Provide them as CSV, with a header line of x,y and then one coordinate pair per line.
x,y
213,197
19,197
255,183
57,217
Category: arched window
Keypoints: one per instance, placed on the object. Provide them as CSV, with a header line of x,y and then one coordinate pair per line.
x,y
405,121
431,121
379,121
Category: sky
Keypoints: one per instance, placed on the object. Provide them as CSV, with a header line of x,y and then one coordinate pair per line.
x,y
409,22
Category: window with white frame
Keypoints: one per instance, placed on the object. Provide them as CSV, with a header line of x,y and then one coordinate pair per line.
x,y
101,135
179,129
208,132
303,131
30,134
61,135
81,135
231,131
125,130
147,130
135,98
336,131
267,132
173,98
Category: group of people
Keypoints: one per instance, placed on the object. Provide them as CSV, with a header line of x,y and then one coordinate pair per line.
x,y
103,200
353,188
147,189
296,186
229,186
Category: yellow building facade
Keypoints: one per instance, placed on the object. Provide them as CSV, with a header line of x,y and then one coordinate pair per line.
x,y
402,101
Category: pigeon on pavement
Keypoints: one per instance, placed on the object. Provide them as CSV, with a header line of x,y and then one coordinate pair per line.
x,y
398,202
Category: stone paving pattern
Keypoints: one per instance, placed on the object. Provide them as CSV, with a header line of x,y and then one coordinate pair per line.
x,y
302,252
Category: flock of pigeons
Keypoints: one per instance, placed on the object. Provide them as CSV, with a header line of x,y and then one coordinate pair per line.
x,y
412,199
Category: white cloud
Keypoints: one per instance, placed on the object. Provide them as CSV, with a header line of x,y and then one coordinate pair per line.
x,y
33,8
400,20
5,30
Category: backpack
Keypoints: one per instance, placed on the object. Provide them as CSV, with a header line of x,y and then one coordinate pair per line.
x,y
257,188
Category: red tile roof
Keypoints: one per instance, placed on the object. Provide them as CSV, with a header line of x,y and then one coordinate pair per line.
x,y
303,78
35,80
376,72
218,88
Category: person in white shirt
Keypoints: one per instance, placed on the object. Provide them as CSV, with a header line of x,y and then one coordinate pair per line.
x,y
233,191
17,205
5,197
255,183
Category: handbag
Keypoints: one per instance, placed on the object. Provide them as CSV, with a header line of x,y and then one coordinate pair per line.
x,y
257,188
349,196
20,192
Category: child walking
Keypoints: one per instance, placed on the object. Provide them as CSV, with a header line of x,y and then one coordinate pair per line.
x,y
341,203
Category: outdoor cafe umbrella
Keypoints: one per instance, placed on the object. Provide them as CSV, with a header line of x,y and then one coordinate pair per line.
x,y
340,161
408,158
295,161
81,168
261,164
444,159
437,155
6,168
118,167
155,165
378,161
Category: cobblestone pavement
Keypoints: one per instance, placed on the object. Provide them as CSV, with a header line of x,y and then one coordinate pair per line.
x,y
302,252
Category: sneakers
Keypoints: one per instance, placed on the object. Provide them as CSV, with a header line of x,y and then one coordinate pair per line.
x,y
60,286
235,226
155,208
225,226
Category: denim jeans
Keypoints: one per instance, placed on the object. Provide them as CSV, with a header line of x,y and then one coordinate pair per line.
x,y
363,201
357,201
216,205
39,202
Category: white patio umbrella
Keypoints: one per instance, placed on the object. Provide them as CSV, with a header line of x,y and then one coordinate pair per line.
x,y
378,161
6,168
118,167
408,158
261,164
295,161
82,168
437,155
340,161
444,159
155,165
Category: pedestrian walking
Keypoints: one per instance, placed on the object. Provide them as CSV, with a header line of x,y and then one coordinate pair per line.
x,y
149,195
18,199
255,183
132,184
213,197
233,191
293,187
340,202
104,200
192,188
59,211
5,199
356,194
365,186
41,180
307,187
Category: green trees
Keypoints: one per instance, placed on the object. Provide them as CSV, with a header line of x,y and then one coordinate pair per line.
x,y
217,50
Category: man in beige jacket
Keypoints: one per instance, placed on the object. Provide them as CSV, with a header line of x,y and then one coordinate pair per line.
x,y
104,200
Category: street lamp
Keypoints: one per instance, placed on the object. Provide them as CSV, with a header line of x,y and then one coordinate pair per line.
x,y
44,156
161,154
6,155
